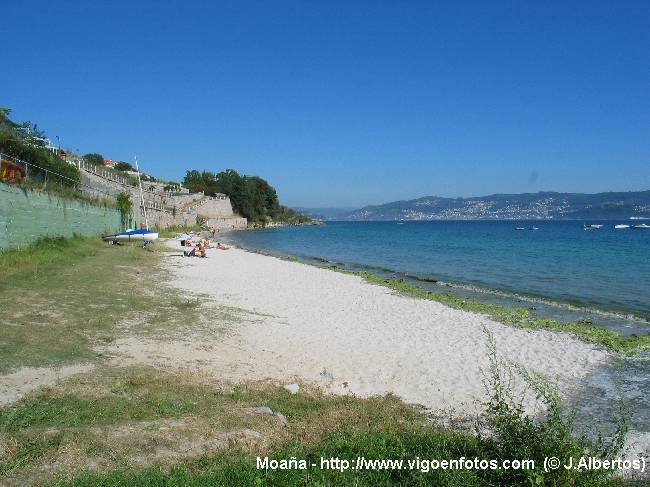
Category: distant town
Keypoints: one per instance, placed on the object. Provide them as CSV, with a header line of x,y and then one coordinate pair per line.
x,y
526,206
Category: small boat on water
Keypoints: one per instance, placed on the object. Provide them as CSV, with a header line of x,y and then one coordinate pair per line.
x,y
520,228
620,226
141,234
591,226
533,228
641,226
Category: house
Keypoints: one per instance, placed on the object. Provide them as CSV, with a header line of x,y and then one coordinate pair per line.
x,y
109,163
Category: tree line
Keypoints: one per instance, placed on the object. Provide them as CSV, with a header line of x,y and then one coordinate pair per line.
x,y
251,196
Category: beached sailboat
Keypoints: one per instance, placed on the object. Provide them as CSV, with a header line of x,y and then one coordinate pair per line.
x,y
142,234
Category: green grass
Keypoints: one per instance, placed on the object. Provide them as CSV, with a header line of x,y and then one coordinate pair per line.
x,y
517,317
60,297
58,294
116,415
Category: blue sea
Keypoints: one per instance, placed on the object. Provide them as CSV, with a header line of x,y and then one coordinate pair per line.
x,y
601,276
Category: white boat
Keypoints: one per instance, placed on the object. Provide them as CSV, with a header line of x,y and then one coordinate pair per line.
x,y
141,234
642,226
622,225
592,227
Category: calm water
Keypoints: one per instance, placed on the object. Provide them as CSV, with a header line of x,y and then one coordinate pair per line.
x,y
561,271
605,269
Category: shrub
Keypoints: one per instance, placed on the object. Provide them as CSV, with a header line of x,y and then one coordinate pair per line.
x,y
513,434
44,164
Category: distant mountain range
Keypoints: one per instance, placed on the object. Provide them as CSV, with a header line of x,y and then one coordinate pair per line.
x,y
323,213
525,206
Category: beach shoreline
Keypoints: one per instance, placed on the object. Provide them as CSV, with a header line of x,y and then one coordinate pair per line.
x,y
303,323
351,336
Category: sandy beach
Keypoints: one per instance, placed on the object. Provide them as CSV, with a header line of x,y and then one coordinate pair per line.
x,y
303,323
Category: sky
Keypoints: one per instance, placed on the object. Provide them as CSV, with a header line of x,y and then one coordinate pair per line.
x,y
344,104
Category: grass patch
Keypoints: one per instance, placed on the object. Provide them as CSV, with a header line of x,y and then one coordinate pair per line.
x,y
58,293
118,416
43,252
123,415
517,317
59,297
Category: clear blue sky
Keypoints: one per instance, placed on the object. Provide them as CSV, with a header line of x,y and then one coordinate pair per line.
x,y
345,103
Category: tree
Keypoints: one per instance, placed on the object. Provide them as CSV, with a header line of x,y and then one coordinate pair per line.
x,y
4,115
124,166
94,158
198,182
250,196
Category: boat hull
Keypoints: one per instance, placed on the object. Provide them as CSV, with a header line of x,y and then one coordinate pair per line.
x,y
138,236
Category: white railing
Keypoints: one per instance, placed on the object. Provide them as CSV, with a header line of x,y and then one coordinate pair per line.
x,y
99,171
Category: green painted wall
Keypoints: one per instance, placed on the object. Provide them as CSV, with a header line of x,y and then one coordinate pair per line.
x,y
27,215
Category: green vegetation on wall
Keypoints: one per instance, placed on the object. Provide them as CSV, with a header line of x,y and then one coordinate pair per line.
x,y
24,142
26,216
125,205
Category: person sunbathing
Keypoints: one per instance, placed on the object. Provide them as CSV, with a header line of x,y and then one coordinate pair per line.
x,y
190,253
221,246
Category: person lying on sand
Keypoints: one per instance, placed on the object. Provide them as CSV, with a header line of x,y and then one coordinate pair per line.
x,y
221,246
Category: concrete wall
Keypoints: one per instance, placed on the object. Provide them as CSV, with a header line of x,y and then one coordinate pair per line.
x,y
217,207
165,209
229,223
159,206
27,215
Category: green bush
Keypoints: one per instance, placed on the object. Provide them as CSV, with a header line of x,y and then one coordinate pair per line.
x,y
513,434
251,196
41,160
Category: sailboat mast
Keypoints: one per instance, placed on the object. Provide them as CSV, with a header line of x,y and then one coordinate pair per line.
x,y
144,208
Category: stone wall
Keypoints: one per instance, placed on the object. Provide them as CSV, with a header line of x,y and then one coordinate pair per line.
x,y
227,223
27,215
165,209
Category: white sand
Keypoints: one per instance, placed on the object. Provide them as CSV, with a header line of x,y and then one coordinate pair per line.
x,y
17,384
347,335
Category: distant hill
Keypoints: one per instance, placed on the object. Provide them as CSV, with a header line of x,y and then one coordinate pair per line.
x,y
323,213
525,206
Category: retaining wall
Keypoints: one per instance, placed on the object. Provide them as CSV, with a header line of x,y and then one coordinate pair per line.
x,y
27,215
